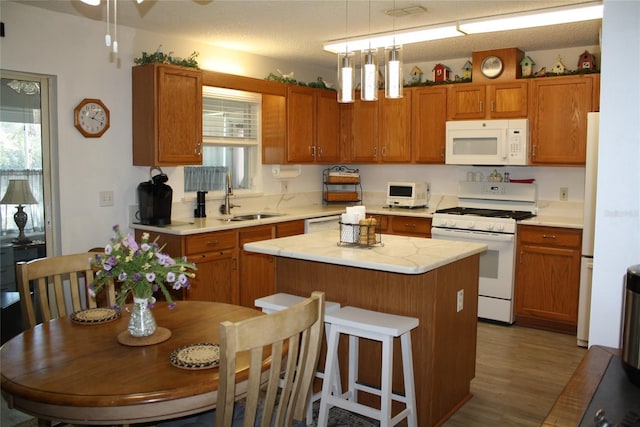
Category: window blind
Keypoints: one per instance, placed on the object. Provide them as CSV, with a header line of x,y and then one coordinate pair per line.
x,y
230,117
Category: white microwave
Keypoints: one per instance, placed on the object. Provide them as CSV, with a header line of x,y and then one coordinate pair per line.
x,y
407,194
487,142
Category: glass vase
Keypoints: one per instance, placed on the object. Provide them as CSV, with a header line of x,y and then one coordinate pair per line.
x,y
142,322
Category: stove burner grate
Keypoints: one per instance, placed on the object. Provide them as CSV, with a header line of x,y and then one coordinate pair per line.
x,y
492,213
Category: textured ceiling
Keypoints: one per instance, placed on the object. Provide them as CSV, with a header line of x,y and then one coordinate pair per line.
x,y
297,29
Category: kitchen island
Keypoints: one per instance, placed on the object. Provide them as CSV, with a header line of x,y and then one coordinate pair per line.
x,y
433,280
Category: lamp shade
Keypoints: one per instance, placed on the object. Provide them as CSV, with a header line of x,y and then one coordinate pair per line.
x,y
18,193
393,72
369,75
346,77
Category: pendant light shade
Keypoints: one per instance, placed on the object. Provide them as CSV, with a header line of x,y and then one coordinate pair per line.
x,y
393,77
346,77
369,75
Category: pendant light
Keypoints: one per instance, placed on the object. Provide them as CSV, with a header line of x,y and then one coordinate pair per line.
x,y
346,76
393,78
369,70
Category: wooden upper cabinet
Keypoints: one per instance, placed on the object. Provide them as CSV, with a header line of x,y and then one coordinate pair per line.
x,y
558,119
167,115
395,129
495,101
379,131
507,100
313,125
274,129
428,124
362,131
301,124
327,127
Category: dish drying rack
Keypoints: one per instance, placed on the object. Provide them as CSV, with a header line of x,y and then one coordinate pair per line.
x,y
366,234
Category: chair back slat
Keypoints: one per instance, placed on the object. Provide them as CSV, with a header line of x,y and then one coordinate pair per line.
x,y
60,287
292,335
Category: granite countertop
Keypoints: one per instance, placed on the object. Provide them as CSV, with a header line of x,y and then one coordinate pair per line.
x,y
396,254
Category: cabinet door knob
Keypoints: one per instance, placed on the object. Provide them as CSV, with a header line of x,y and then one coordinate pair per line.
x,y
213,243
548,236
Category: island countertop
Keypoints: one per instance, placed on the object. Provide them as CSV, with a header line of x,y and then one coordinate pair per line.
x,y
396,254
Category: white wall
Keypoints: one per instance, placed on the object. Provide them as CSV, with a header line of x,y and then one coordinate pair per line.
x,y
617,237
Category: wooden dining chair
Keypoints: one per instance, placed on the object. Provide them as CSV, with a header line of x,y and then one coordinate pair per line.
x,y
58,285
297,331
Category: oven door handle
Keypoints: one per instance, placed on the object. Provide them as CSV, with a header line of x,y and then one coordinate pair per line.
x,y
472,235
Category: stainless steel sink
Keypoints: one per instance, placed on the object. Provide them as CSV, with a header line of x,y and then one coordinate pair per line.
x,y
249,217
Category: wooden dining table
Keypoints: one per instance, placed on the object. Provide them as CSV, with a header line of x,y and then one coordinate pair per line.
x,y
81,374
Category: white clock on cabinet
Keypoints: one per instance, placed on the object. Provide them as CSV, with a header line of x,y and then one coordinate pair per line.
x,y
491,66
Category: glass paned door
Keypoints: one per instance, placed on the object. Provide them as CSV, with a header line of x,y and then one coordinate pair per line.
x,y
23,131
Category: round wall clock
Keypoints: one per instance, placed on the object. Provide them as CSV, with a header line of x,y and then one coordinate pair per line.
x,y
91,118
491,67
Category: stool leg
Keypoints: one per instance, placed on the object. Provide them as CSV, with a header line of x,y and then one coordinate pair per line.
x,y
385,389
337,386
409,381
330,365
354,351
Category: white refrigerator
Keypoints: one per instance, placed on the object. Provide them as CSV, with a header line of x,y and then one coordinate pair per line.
x,y
588,230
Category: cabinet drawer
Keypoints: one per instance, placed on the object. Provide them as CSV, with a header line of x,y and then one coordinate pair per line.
x,y
208,242
406,224
550,236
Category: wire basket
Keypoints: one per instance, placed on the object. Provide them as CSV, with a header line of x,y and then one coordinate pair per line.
x,y
365,235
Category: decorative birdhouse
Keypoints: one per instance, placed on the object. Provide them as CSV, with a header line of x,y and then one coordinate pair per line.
x,y
558,67
441,73
467,68
416,74
527,66
586,61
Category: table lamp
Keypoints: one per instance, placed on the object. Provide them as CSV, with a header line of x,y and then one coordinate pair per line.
x,y
19,193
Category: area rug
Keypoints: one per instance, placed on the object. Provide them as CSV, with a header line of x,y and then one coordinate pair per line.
x,y
338,417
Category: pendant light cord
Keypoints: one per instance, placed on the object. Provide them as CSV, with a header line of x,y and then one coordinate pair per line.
x,y
115,26
107,37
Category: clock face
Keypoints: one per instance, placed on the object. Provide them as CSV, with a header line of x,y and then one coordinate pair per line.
x,y
91,118
491,67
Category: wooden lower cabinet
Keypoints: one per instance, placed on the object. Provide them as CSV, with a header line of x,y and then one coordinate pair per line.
x,y
256,274
215,256
402,225
215,277
226,273
548,277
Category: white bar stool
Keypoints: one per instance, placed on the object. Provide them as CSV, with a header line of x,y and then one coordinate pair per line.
x,y
280,301
383,327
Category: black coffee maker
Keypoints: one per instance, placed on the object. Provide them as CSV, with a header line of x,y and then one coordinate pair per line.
x,y
155,198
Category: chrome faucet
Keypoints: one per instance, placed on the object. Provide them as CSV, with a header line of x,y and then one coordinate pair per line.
x,y
226,207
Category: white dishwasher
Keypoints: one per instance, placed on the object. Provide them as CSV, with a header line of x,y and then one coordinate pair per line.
x,y
322,223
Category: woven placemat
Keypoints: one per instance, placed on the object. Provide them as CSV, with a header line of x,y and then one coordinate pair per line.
x,y
196,356
93,316
160,335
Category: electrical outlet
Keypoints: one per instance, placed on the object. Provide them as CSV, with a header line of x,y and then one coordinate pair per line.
x,y
284,187
564,194
460,300
106,198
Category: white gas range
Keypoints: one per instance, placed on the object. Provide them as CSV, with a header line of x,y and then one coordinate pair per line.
x,y
488,212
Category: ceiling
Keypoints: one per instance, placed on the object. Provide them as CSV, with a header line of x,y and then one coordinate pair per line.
x,y
295,30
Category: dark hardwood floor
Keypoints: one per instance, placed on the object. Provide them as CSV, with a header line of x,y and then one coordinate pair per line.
x,y
519,374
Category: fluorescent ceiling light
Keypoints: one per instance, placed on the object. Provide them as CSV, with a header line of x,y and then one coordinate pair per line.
x,y
91,2
413,35
536,18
